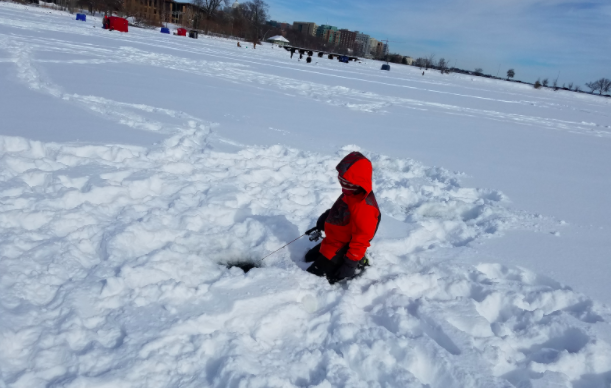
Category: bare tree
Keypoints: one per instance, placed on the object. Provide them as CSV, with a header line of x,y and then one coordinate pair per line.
x,y
479,71
545,82
198,8
593,86
209,8
442,65
556,84
430,61
570,86
96,6
72,5
420,62
255,12
577,88
511,73
603,85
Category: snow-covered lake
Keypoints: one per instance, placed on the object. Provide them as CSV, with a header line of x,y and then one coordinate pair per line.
x,y
134,167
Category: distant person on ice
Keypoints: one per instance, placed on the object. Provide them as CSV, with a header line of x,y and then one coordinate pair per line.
x,y
349,225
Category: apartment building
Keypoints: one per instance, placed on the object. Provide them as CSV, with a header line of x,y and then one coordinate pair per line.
x,y
379,50
322,31
280,25
347,39
332,37
151,11
373,45
361,44
307,28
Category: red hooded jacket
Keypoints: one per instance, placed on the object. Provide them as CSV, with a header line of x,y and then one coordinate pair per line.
x,y
353,219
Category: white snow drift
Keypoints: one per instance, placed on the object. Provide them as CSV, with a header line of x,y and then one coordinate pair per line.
x,y
113,275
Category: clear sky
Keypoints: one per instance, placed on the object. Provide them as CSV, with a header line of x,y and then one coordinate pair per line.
x,y
538,38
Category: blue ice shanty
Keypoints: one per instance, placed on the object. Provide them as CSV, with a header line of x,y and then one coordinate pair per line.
x,y
165,30
81,16
386,67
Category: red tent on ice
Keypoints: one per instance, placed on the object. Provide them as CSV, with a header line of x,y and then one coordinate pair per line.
x,y
115,23
181,32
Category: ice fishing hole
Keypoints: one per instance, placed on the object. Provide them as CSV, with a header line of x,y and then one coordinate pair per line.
x,y
243,265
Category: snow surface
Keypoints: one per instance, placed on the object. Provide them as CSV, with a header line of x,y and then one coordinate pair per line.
x,y
135,166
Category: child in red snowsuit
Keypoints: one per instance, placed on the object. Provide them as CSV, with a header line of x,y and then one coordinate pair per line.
x,y
349,225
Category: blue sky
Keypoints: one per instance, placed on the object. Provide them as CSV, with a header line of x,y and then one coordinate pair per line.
x,y
538,38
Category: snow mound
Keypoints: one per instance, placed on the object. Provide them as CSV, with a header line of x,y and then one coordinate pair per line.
x,y
113,273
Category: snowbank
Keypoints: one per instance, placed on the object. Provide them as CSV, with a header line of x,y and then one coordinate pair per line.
x,y
113,274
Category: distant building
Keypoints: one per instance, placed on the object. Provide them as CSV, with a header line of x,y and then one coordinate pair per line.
x,y
380,49
408,61
322,30
306,28
180,13
282,26
347,39
373,45
361,44
332,37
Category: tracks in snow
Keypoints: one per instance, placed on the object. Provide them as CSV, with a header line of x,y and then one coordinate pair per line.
x,y
332,95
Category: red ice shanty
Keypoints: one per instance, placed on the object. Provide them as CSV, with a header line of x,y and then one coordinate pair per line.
x,y
114,23
181,32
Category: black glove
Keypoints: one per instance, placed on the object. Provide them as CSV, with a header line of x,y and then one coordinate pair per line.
x,y
347,270
320,224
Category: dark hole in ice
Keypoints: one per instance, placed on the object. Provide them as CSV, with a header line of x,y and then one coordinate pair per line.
x,y
243,265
